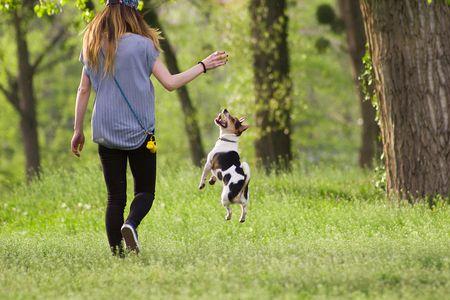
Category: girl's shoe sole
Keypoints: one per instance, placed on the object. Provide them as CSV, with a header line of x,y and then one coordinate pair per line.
x,y
130,238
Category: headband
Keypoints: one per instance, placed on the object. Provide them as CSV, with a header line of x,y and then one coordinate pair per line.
x,y
130,3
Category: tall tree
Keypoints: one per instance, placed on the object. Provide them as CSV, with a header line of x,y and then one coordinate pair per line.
x,y
409,43
354,27
19,90
272,83
190,115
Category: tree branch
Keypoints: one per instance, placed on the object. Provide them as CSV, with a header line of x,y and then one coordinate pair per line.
x,y
61,33
56,60
12,96
12,92
5,91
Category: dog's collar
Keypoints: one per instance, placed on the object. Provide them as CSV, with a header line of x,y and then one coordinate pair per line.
x,y
227,140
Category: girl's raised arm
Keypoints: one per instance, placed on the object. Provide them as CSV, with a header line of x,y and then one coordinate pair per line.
x,y
173,81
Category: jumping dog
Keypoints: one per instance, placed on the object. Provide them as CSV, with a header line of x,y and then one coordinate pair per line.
x,y
224,164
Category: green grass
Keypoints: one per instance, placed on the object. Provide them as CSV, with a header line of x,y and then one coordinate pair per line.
x,y
321,232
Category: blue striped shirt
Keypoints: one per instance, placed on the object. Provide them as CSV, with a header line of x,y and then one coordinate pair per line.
x,y
113,123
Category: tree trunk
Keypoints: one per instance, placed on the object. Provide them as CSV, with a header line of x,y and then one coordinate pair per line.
x,y
189,111
27,103
352,17
272,83
409,43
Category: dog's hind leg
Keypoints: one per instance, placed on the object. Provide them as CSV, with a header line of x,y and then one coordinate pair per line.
x,y
226,203
244,202
243,212
228,215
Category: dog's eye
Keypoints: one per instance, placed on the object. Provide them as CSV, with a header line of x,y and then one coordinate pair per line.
x,y
237,124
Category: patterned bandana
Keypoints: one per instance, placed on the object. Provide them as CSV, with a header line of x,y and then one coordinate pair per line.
x,y
130,3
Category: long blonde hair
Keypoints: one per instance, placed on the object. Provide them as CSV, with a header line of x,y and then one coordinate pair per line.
x,y
106,29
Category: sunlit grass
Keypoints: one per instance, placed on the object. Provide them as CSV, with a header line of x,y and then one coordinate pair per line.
x,y
318,232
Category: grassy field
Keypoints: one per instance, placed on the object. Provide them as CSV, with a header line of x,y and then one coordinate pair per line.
x,y
322,232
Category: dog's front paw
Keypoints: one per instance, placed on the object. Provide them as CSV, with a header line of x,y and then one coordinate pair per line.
x,y
201,185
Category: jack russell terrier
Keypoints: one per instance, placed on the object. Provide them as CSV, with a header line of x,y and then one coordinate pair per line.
x,y
224,164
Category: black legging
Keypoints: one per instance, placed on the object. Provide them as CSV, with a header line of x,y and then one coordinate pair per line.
x,y
143,168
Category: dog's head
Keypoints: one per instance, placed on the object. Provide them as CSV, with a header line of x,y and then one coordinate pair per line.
x,y
229,124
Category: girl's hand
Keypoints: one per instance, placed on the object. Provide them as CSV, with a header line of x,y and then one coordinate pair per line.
x,y
77,143
217,59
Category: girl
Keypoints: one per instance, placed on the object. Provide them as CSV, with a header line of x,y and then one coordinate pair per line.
x,y
120,52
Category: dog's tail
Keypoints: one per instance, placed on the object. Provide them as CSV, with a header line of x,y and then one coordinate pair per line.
x,y
246,169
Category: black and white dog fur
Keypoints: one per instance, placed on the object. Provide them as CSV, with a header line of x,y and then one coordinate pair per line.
x,y
224,164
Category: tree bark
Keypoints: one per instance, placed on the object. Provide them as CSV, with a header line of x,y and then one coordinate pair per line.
x,y
190,115
27,103
409,43
354,27
20,90
272,83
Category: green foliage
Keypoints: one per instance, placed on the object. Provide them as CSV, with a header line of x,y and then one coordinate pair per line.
x,y
322,44
367,82
324,116
379,179
368,88
8,5
53,7
316,233
48,7
86,12
325,14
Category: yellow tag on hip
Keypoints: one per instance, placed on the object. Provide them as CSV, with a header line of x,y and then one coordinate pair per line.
x,y
151,145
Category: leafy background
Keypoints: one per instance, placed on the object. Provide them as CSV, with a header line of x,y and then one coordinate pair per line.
x,y
326,118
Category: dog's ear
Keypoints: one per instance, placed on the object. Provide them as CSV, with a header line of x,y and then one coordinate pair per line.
x,y
242,128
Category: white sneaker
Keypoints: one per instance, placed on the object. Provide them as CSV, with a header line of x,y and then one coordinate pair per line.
x,y
130,236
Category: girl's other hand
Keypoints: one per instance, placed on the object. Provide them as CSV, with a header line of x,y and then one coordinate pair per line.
x,y
216,59
77,143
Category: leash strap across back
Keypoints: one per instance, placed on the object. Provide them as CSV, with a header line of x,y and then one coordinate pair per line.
x,y
129,104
